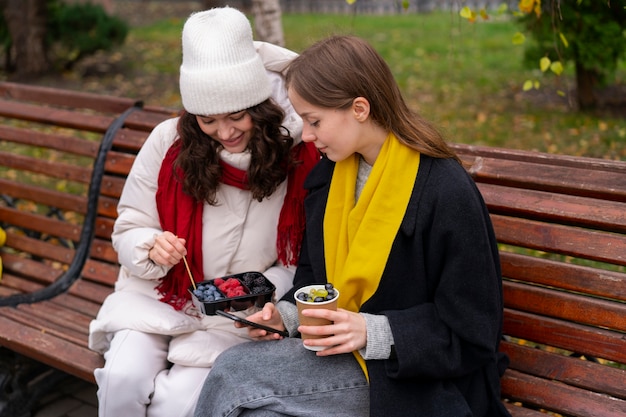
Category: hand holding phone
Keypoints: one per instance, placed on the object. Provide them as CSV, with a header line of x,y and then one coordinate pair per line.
x,y
251,323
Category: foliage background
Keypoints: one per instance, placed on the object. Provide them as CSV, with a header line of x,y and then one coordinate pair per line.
x,y
465,77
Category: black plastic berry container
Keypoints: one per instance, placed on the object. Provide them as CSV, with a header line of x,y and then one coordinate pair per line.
x,y
259,291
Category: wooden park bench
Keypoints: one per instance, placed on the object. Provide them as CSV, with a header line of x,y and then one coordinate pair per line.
x,y
64,157
561,222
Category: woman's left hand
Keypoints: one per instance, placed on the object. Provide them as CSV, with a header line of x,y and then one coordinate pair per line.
x,y
347,334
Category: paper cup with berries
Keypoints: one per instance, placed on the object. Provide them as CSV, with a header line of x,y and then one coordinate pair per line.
x,y
315,296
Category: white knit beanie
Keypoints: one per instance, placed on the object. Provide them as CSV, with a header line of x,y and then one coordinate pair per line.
x,y
221,70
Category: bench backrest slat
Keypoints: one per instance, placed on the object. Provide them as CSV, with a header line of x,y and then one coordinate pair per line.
x,y
567,276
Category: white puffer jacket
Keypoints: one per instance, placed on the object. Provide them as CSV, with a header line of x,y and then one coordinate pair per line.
x,y
239,235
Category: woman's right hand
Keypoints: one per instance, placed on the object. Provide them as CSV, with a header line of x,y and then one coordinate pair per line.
x,y
168,249
269,316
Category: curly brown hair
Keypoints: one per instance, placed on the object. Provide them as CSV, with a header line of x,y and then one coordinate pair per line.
x,y
269,147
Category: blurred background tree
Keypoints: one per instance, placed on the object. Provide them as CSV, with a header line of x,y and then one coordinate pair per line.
x,y
43,35
588,33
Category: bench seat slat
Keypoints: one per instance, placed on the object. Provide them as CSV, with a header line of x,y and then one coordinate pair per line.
x,y
90,291
519,411
49,349
591,341
559,397
54,318
79,304
565,240
570,370
565,305
579,278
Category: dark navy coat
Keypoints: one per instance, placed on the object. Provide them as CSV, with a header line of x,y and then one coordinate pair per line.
x,y
441,291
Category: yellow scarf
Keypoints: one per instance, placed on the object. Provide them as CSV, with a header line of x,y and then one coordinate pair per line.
x,y
358,237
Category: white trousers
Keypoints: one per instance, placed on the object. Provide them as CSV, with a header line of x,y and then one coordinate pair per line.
x,y
138,381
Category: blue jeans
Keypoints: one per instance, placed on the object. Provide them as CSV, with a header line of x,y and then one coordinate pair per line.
x,y
282,378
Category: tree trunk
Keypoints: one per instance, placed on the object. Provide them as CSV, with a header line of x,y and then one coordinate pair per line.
x,y
26,21
586,82
268,24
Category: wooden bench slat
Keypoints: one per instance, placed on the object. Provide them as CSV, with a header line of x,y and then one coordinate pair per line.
x,y
566,180
119,163
469,151
55,116
44,196
90,291
62,143
51,169
129,140
112,186
100,272
518,411
39,223
556,208
80,304
572,241
39,248
572,371
61,97
590,341
107,207
49,349
559,397
33,270
565,305
579,278
147,118
55,319
103,250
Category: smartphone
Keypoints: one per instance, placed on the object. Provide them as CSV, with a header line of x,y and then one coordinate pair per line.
x,y
251,323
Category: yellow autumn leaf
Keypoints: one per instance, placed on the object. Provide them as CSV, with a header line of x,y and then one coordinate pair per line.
x,y
536,84
544,63
526,6
563,40
556,67
350,1
560,93
518,38
467,13
528,85
483,14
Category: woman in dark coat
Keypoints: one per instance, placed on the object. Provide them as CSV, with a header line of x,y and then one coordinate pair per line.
x,y
401,230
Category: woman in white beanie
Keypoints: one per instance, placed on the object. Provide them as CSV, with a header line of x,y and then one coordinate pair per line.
x,y
221,186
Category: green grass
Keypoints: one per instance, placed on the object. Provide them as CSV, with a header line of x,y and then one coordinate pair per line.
x,y
465,77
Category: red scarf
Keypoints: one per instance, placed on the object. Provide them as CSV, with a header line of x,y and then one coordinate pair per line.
x,y
180,214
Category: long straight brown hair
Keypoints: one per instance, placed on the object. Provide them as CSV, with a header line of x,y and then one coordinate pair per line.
x,y
335,71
